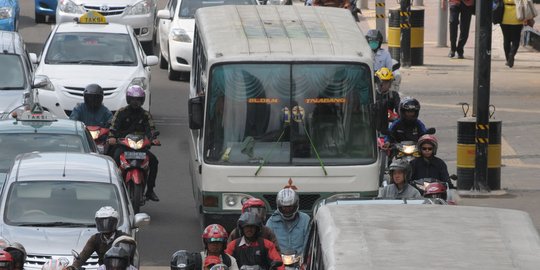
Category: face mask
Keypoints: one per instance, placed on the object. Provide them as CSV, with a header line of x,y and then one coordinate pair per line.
x,y
374,44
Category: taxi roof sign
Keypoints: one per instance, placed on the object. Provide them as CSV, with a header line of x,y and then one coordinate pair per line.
x,y
36,114
92,17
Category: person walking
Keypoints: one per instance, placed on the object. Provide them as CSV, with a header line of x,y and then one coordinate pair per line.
x,y
460,14
511,30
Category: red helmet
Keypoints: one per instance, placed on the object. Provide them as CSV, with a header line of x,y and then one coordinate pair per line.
x,y
435,190
428,138
252,202
6,261
214,233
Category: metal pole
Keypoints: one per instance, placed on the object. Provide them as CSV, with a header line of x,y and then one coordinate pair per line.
x,y
419,2
364,4
380,21
482,78
443,23
405,25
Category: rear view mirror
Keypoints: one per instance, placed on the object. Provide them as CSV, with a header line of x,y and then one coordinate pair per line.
x,y
33,58
395,65
151,60
141,219
431,131
40,81
196,112
164,14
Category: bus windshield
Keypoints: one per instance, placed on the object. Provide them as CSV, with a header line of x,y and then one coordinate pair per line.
x,y
288,114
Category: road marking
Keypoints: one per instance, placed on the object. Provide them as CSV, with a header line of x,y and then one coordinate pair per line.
x,y
507,150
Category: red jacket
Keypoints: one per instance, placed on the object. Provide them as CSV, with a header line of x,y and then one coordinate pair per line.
x,y
271,251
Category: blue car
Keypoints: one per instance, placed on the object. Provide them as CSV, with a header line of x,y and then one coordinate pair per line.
x,y
9,15
44,8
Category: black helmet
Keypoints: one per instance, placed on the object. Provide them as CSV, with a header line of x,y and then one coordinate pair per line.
x,y
374,38
93,96
250,219
18,253
409,104
401,165
116,258
183,260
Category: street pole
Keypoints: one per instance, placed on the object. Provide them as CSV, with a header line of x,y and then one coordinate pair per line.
x,y
482,78
443,23
380,16
405,25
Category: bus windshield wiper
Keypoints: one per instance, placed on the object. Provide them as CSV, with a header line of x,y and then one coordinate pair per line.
x,y
314,149
271,149
56,224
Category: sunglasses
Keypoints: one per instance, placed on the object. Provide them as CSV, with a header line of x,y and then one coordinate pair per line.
x,y
427,148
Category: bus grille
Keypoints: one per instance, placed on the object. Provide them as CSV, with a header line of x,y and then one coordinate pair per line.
x,y
306,201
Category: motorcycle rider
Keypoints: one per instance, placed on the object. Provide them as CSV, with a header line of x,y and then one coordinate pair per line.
x,y
251,248
290,225
215,240
6,261
133,119
332,3
116,258
429,166
407,127
383,79
257,206
92,112
399,188
184,260
18,253
382,57
106,225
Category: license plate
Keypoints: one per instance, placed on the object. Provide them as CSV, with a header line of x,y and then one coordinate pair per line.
x,y
135,155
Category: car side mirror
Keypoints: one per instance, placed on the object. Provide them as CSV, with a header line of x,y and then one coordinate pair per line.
x,y
40,82
196,112
431,131
151,60
141,219
164,14
33,58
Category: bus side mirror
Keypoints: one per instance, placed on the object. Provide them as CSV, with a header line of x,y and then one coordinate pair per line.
x,y
196,112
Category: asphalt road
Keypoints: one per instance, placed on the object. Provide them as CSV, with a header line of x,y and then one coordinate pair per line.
x,y
174,219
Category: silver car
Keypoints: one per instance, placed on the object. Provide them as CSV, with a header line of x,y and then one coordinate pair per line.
x,y
49,200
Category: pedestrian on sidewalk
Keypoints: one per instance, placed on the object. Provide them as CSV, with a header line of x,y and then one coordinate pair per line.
x,y
511,29
460,14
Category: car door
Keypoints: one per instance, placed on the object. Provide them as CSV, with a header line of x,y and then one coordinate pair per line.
x,y
164,28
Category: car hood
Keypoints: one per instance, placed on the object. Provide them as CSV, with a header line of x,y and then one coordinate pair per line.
x,y
10,99
186,24
83,75
49,241
106,2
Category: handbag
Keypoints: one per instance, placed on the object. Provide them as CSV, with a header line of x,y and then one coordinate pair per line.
x,y
525,10
498,11
531,12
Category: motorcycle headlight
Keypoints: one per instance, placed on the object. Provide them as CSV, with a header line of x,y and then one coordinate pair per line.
x,y
141,8
6,12
409,149
289,259
135,144
179,34
68,6
95,134
140,81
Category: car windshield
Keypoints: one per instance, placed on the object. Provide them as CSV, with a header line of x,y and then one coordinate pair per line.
x,y
91,49
58,203
290,114
11,72
188,7
13,144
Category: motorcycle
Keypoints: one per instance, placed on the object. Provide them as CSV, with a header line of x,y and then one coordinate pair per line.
x,y
134,164
291,261
100,135
273,265
437,190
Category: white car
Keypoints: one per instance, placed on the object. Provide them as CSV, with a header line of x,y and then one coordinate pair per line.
x,y
76,55
139,14
175,33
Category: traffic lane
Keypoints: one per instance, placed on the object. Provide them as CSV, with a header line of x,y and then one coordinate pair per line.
x,y
175,223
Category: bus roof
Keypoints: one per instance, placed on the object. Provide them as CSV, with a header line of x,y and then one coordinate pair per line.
x,y
426,236
282,32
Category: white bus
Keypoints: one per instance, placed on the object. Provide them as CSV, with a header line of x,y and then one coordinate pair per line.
x,y
279,95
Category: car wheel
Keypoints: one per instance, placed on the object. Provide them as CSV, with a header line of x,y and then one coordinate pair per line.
x,y
148,47
173,75
39,18
184,76
163,64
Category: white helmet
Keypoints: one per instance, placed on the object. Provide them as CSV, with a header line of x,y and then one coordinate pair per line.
x,y
54,264
106,219
287,197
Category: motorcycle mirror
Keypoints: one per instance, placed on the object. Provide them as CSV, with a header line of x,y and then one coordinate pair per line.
x,y
431,131
156,133
396,66
275,264
453,177
75,254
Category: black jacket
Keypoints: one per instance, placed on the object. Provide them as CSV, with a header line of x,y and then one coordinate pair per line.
x,y
433,167
97,244
128,121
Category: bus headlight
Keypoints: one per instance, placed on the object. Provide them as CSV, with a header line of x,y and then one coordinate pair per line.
x,y
233,201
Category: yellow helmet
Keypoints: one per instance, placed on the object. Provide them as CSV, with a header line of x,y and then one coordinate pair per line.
x,y
384,74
